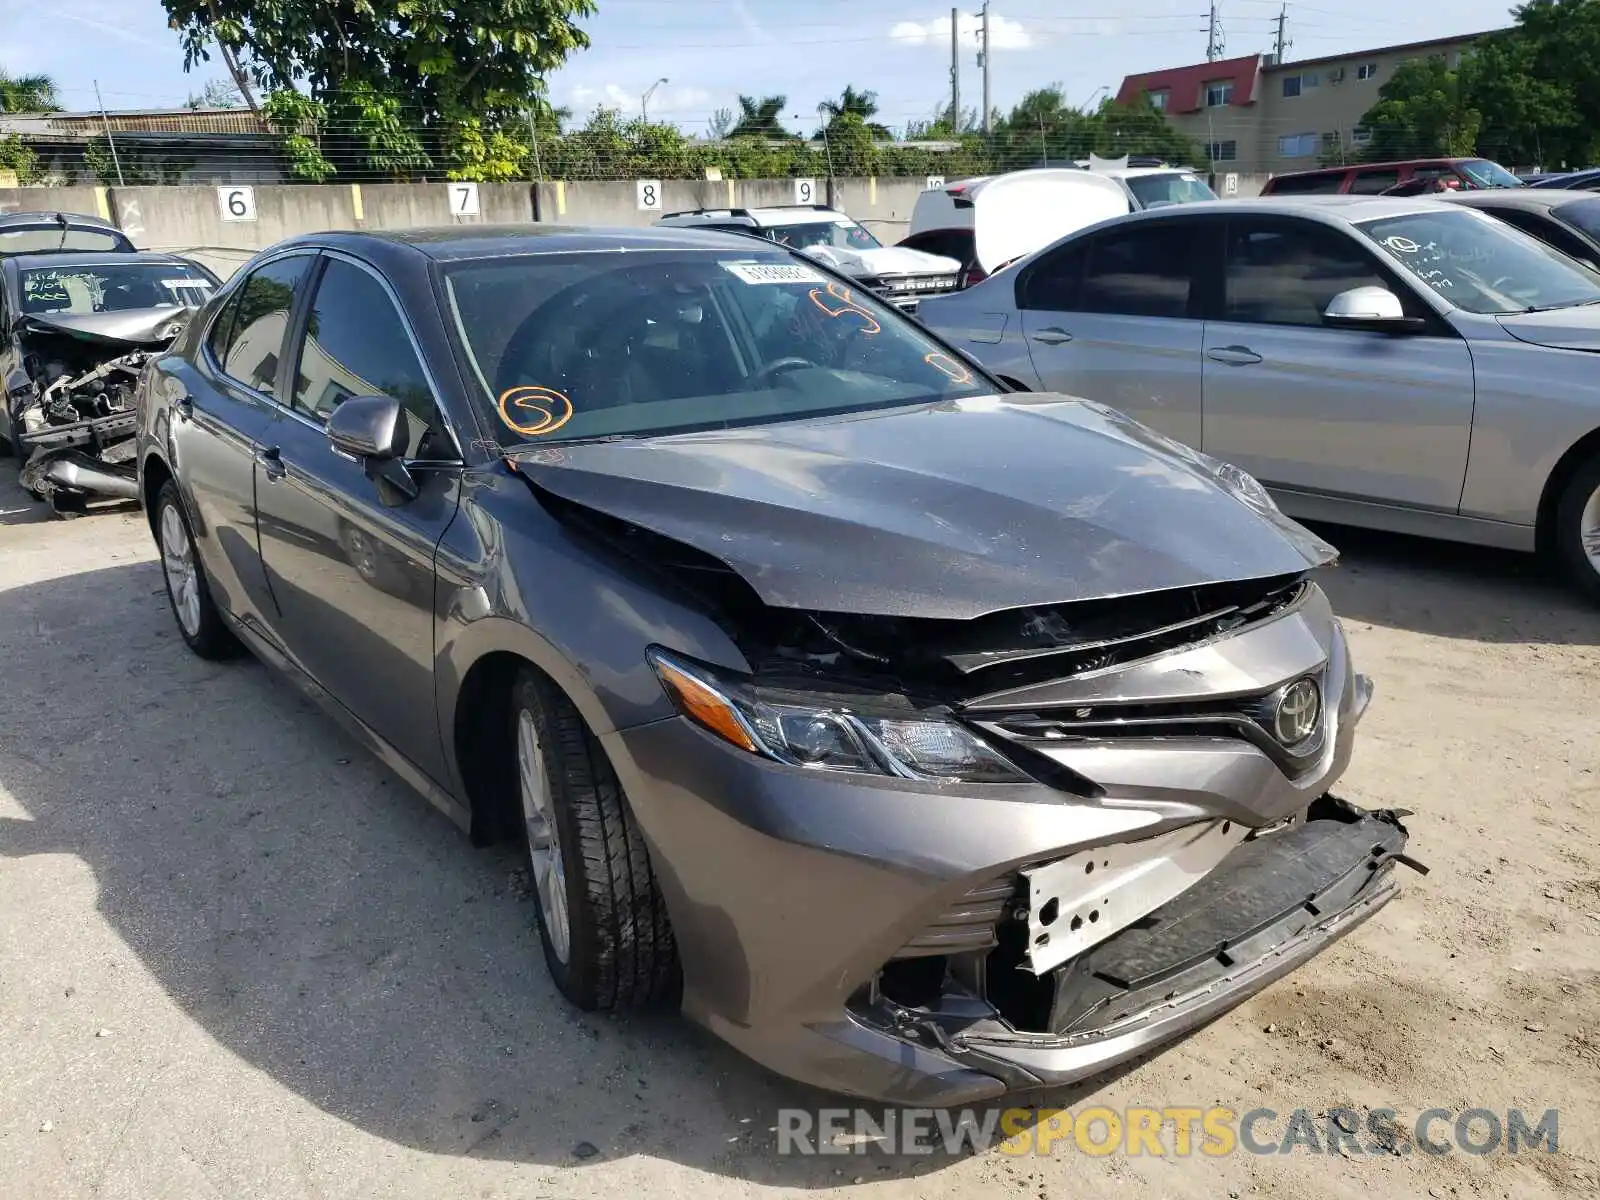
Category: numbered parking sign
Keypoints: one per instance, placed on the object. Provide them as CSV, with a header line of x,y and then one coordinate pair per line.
x,y
934,183
237,203
649,194
463,199
805,191
1230,184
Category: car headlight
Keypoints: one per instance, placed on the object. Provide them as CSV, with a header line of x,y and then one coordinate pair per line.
x,y
824,735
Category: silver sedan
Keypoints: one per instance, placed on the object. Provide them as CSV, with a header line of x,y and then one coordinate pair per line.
x,y
1409,365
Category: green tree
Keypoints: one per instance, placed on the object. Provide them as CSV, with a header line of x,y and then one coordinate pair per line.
x,y
17,157
1423,110
28,93
217,93
761,118
405,84
853,103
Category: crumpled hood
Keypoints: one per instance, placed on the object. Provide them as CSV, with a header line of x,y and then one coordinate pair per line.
x,y
951,510
134,327
883,260
1560,328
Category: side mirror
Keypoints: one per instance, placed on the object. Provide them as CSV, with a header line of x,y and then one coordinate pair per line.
x,y
376,430
1370,308
370,427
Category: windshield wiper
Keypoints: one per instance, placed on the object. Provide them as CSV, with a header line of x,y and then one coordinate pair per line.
x,y
1539,308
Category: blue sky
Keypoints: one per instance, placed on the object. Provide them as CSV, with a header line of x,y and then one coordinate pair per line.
x,y
712,50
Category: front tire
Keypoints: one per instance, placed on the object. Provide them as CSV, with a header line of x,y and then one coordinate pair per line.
x,y
199,620
602,922
1577,529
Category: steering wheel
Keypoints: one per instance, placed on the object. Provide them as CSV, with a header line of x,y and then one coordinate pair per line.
x,y
780,366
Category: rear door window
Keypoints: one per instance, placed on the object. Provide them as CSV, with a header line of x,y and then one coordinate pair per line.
x,y
1373,183
1052,284
1142,271
247,340
1305,185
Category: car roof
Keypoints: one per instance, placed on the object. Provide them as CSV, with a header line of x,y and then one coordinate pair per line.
x,y
1374,166
1533,199
51,217
451,243
94,258
1340,208
799,214
1138,172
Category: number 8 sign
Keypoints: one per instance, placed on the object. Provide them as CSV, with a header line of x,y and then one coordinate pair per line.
x,y
649,193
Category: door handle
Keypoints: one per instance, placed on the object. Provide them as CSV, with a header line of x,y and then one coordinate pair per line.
x,y
1234,356
184,407
1051,335
270,460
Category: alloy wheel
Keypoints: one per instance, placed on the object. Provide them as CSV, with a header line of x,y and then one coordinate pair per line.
x,y
183,576
1589,530
544,840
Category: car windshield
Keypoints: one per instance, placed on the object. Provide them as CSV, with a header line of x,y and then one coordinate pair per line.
x,y
80,289
1483,265
1486,174
596,345
845,234
1583,214
1175,188
46,239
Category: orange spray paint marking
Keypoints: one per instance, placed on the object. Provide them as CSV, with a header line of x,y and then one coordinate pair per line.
x,y
946,365
534,411
847,304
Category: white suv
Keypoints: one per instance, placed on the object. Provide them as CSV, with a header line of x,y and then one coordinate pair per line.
x,y
897,274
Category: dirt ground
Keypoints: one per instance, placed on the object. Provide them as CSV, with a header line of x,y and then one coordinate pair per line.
x,y
237,958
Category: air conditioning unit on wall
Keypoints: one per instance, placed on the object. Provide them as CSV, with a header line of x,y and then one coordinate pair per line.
x,y
1336,75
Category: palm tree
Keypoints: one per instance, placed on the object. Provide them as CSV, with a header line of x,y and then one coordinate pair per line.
x,y
761,118
861,104
27,93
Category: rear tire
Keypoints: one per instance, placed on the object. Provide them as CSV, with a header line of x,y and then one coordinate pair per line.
x,y
199,620
602,922
1577,529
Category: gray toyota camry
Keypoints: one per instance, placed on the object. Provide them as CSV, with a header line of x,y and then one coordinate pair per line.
x,y
924,740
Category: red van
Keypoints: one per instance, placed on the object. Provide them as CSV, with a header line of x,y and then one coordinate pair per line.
x,y
1373,179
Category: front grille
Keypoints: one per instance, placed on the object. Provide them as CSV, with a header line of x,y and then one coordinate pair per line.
x,y
967,925
1248,718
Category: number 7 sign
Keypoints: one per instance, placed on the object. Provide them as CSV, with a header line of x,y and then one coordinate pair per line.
x,y
463,199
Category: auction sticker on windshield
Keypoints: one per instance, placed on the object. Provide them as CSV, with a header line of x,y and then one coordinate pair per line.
x,y
772,272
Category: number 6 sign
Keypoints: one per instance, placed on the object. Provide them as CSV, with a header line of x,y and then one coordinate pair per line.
x,y
237,203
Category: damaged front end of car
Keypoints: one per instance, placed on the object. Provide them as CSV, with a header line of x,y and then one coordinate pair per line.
x,y
1025,843
73,410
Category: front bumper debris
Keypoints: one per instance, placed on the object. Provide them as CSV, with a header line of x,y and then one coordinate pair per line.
x,y
881,937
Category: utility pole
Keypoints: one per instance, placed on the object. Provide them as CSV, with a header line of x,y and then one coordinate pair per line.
x,y
1214,40
955,72
983,60
110,141
1283,42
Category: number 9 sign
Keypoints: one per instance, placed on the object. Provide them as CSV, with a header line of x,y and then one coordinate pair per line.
x,y
805,191
237,203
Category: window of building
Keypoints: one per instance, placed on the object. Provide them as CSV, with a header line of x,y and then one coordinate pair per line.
x,y
1291,86
1219,93
1297,145
1310,79
1360,136
1158,100
1223,151
1367,71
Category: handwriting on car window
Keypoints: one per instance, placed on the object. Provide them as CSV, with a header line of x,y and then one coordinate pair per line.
x,y
534,411
847,303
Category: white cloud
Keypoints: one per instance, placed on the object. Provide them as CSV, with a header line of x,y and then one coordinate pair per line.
x,y
1004,33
